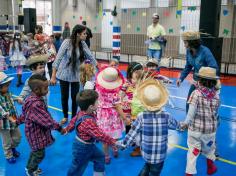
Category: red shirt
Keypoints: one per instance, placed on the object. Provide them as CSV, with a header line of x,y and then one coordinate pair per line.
x,y
88,129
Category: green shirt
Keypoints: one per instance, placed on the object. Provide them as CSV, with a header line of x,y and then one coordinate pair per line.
x,y
153,32
7,108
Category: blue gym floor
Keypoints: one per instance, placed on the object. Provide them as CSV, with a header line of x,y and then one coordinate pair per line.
x,y
58,156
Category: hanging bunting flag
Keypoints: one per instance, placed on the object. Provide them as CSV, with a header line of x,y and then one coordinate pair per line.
x,y
88,18
97,16
111,23
171,30
226,32
95,28
81,18
100,11
125,10
225,12
134,13
73,16
104,14
179,9
128,26
182,28
138,29
192,8
166,13
144,14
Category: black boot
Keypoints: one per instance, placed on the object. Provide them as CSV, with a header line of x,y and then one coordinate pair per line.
x,y
19,82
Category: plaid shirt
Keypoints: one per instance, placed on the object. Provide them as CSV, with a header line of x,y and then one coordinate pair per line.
x,y
88,129
153,127
38,123
7,108
205,119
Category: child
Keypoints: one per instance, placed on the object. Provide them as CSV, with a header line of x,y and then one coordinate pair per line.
x,y
17,57
152,67
202,120
3,65
110,116
134,72
87,131
50,50
87,75
38,123
153,126
114,63
9,132
37,65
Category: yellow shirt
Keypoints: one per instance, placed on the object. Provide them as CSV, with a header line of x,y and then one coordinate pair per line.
x,y
153,32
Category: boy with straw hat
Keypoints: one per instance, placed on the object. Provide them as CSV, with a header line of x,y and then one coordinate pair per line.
x,y
202,121
153,125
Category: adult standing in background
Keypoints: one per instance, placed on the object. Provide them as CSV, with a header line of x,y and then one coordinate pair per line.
x,y
197,56
89,34
71,54
155,33
66,31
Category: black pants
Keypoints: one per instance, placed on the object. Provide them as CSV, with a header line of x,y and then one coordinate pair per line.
x,y
151,169
49,64
35,159
65,90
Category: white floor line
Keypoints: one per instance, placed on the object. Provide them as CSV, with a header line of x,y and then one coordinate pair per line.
x,y
10,74
182,98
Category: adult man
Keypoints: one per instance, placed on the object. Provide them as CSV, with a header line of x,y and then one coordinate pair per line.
x,y
89,34
155,33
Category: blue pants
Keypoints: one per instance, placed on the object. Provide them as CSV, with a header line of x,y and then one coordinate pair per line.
x,y
151,169
152,53
191,89
82,154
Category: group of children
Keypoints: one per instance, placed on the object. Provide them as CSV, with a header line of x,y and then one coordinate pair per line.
x,y
110,104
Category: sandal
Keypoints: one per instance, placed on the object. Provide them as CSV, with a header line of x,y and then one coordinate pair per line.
x,y
107,159
63,121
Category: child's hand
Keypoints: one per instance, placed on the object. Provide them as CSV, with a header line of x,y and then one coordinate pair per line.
x,y
63,131
11,119
183,126
20,100
120,145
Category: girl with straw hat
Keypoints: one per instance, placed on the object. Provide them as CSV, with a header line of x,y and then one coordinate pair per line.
x,y
153,126
110,116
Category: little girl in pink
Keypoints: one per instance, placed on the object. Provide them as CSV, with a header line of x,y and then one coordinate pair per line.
x,y
110,116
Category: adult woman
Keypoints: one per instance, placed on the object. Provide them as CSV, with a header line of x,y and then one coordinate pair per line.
x,y
197,56
71,54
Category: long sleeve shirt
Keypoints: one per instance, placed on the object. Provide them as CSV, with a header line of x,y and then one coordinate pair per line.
x,y
153,127
203,58
61,64
38,123
88,129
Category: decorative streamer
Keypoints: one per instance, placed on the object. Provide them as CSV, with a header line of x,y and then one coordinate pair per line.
x,y
179,9
100,11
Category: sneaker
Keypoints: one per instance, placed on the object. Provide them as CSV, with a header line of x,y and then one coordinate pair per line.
x,y
11,160
15,153
38,171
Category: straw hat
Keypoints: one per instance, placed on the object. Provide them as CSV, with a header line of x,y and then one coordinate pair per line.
x,y
109,78
207,72
191,35
37,58
153,61
152,94
4,78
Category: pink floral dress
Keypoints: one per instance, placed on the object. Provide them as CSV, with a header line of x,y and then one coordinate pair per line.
x,y
108,119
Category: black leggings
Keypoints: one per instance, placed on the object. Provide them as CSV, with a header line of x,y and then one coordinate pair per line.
x,y
65,89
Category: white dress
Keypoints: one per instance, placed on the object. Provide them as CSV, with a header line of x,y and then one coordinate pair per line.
x,y
17,57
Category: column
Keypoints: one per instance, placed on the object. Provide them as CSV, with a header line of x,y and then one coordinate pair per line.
x,y
56,16
116,32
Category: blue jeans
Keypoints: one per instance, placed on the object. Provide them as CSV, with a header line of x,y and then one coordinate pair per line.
x,y
151,169
191,89
152,53
82,154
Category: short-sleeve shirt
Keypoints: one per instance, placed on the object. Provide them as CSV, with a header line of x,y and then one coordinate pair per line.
x,y
153,32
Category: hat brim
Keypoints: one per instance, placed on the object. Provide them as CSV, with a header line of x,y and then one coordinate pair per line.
x,y
207,77
108,85
37,60
8,79
164,95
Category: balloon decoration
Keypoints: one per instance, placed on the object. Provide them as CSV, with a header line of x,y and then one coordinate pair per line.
x,y
192,8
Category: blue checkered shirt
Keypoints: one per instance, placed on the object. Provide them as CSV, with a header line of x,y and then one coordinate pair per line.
x,y
153,129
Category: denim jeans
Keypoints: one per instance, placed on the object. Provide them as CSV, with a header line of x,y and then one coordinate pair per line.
x,y
151,169
152,53
191,89
82,154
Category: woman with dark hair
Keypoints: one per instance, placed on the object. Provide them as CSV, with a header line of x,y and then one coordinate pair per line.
x,y
71,54
39,35
197,56
17,57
